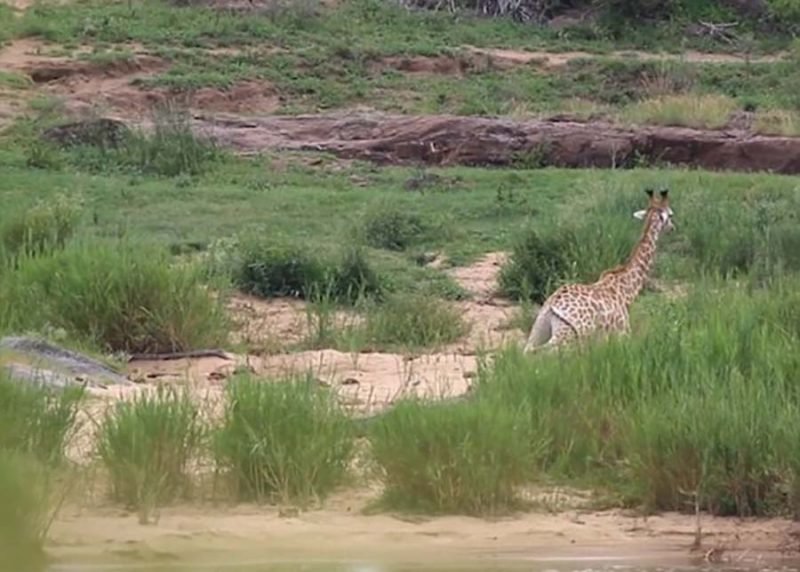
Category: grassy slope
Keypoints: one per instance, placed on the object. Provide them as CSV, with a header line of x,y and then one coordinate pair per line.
x,y
323,59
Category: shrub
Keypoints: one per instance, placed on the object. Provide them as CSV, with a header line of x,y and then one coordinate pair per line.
x,y
35,420
354,278
455,458
119,296
391,227
271,269
146,445
413,321
638,9
171,149
23,513
284,440
692,110
268,269
535,266
45,226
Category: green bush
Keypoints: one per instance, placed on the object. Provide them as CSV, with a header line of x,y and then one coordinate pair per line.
x,y
119,296
455,458
35,420
535,266
47,225
283,440
354,278
391,226
413,321
270,269
266,268
146,445
170,149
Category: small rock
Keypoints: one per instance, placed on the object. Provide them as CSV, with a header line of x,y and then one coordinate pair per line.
x,y
97,132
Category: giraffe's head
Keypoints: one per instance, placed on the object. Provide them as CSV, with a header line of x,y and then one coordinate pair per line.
x,y
658,211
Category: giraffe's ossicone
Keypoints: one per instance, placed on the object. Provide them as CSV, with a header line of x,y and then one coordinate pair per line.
x,y
579,310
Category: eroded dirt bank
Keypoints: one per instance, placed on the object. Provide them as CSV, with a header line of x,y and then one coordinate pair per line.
x,y
451,140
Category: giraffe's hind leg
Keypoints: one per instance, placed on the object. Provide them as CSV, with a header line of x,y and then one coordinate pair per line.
x,y
559,332
541,331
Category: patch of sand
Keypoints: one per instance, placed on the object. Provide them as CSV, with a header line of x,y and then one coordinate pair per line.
x,y
211,534
561,59
366,381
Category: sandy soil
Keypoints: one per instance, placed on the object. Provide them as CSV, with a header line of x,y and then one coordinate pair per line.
x,y
560,59
365,381
341,531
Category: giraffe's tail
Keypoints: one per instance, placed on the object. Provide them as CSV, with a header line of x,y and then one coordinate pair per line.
x,y
542,329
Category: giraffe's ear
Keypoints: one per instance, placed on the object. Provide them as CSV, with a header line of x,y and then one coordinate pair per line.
x,y
640,214
649,192
664,193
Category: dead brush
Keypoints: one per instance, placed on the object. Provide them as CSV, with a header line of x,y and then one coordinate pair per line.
x,y
667,78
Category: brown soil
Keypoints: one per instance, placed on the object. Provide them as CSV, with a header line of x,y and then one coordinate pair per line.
x,y
450,140
111,88
476,60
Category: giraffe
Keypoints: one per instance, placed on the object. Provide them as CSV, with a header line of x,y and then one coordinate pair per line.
x,y
575,311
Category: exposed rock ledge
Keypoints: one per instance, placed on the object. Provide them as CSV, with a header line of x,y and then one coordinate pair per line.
x,y
448,140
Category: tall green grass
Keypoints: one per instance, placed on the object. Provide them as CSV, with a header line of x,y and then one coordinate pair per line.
x,y
268,267
412,321
283,440
171,148
24,512
694,407
147,445
454,458
119,296
43,227
35,420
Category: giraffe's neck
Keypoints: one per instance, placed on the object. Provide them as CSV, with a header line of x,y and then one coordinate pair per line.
x,y
632,276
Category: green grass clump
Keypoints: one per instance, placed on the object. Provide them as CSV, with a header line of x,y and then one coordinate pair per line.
x,y
693,408
118,296
171,149
454,458
355,278
413,321
691,110
35,420
147,444
713,450
391,226
283,441
269,268
44,226
535,266
24,513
